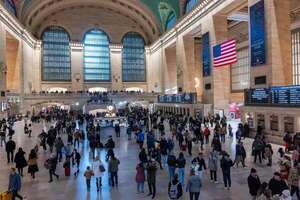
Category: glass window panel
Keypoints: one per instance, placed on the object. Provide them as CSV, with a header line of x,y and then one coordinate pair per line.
x,y
56,64
96,56
296,56
240,71
133,58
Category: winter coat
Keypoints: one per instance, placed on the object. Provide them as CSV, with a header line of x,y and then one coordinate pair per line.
x,y
96,168
151,172
10,146
226,164
113,165
277,186
20,159
213,161
140,173
194,184
253,184
14,182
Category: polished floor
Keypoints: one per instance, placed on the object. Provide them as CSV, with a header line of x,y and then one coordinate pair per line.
x,y
127,151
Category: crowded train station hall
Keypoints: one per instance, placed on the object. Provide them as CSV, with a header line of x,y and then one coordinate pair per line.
x,y
149,99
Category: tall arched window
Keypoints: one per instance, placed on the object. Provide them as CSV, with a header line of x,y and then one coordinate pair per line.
x,y
96,56
189,5
171,20
56,64
10,6
296,56
133,58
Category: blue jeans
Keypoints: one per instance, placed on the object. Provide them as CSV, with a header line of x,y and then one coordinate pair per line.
x,y
171,172
181,175
140,187
164,160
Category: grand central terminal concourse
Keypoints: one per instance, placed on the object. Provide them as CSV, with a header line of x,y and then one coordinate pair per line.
x,y
149,99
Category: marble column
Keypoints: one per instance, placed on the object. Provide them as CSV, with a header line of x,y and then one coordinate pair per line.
x,y
116,66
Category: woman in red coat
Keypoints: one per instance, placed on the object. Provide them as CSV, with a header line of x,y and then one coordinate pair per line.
x,y
140,177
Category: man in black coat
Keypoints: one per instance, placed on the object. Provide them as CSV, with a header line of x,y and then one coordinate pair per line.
x,y
277,185
10,148
253,183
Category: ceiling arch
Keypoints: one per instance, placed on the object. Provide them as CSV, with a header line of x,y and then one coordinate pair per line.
x,y
111,16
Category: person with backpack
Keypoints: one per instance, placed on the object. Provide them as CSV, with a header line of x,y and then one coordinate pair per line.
x,y
140,177
99,169
175,188
51,164
88,176
171,165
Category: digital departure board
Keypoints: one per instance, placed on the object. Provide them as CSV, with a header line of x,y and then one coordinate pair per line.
x,y
274,96
187,98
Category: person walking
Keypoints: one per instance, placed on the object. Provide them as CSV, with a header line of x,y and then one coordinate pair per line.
x,y
10,148
194,185
59,145
253,183
20,161
140,177
99,169
151,177
32,163
226,164
51,164
2,137
175,188
14,185
88,176
77,158
113,168
199,164
213,165
277,184
171,165
181,162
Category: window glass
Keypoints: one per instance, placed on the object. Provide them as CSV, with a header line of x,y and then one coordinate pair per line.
x,y
56,62
296,56
240,71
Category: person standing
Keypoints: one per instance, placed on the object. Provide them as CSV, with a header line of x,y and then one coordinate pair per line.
x,y
14,185
32,163
2,137
206,133
253,183
140,177
20,161
171,165
213,165
181,162
10,148
175,188
59,145
151,177
99,170
277,184
117,130
199,164
88,176
194,185
226,164
113,168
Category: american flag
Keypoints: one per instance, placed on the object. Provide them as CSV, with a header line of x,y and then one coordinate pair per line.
x,y
225,53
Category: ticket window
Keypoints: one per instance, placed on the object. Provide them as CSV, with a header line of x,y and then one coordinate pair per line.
x,y
261,121
274,123
289,124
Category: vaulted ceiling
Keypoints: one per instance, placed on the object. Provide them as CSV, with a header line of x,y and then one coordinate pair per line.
x,y
116,17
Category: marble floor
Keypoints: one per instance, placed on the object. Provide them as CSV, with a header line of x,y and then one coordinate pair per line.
x,y
127,151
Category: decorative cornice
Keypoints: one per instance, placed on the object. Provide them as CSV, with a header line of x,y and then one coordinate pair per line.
x,y
116,47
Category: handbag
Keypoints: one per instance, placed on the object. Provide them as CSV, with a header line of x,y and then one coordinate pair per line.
x,y
101,168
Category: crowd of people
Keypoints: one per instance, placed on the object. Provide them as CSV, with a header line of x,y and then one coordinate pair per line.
x,y
169,142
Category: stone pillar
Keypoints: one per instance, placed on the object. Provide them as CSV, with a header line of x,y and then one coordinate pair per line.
x,y
221,75
3,67
278,67
77,76
198,69
116,66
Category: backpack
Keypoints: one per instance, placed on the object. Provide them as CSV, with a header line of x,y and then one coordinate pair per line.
x,y
173,191
101,168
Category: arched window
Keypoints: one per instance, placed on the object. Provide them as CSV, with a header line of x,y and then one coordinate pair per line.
x,y
296,56
10,6
96,56
133,58
56,64
171,20
189,5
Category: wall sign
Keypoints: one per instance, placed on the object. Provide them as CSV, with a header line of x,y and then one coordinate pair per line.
x,y
257,34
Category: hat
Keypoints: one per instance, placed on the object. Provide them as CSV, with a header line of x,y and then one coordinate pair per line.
x,y
253,170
